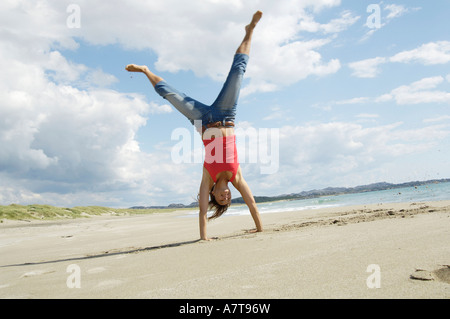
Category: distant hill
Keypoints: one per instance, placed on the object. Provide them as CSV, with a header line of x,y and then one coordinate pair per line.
x,y
313,193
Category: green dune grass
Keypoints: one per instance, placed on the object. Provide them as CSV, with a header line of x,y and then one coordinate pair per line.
x,y
47,212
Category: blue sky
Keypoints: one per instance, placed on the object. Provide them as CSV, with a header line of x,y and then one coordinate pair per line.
x,y
357,92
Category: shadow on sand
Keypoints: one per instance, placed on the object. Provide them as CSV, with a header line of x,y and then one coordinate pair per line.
x,y
106,254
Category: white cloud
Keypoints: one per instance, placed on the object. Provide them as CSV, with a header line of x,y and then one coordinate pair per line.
x,y
356,100
419,92
65,136
388,13
427,54
211,31
347,19
395,11
288,64
99,78
343,153
280,57
367,68
437,119
278,113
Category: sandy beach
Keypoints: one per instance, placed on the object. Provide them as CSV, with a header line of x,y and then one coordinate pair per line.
x,y
377,251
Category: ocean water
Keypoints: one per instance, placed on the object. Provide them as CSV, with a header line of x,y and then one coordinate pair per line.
x,y
423,193
429,192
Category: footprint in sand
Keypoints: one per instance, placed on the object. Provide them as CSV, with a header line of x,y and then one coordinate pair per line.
x,y
441,274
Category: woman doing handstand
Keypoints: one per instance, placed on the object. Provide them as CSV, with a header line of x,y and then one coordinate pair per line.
x,y
217,129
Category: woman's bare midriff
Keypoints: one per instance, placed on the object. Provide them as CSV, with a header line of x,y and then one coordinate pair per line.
x,y
220,131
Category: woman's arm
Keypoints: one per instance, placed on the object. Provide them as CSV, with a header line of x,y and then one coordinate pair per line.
x,y
241,185
205,188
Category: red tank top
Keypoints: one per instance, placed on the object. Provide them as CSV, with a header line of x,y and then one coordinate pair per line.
x,y
221,155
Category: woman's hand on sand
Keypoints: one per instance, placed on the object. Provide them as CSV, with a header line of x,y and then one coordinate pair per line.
x,y
252,231
209,239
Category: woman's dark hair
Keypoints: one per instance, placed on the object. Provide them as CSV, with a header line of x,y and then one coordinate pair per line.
x,y
219,210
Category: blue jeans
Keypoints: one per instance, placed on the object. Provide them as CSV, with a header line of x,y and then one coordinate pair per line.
x,y
224,107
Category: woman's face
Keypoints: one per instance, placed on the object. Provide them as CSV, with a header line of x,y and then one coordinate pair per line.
x,y
222,196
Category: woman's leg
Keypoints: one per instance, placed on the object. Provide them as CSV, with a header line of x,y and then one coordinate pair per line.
x,y
246,42
227,99
229,95
186,105
154,79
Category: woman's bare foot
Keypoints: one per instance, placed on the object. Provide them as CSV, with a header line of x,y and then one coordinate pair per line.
x,y
245,44
154,79
136,68
256,17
